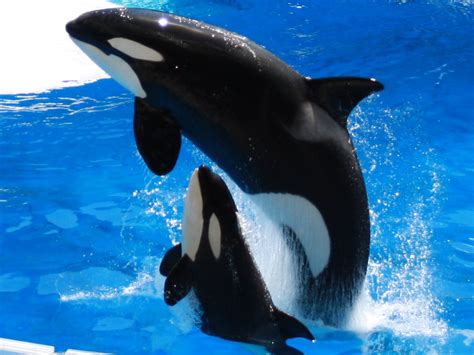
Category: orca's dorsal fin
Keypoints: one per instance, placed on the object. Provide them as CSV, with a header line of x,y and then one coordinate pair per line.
x,y
179,281
290,327
157,136
338,96
170,259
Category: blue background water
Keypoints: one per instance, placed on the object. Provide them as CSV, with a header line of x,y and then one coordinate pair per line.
x,y
83,224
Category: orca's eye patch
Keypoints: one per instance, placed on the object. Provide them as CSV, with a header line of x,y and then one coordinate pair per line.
x,y
136,50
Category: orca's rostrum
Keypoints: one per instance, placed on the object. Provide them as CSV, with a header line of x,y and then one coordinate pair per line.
x,y
280,136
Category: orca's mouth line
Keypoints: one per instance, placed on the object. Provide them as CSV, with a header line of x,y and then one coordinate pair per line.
x,y
115,66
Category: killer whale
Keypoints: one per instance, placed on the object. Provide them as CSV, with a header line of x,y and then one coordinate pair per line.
x,y
214,260
281,137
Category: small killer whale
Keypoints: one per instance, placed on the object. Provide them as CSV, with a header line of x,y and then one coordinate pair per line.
x,y
215,261
281,137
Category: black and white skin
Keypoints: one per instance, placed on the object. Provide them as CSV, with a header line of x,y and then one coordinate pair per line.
x,y
280,136
215,261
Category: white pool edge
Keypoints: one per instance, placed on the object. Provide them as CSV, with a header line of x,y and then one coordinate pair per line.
x,y
10,346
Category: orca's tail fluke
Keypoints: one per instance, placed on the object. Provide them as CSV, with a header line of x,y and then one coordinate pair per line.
x,y
290,327
338,96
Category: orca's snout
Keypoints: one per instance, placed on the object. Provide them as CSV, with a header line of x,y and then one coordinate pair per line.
x,y
71,27
74,27
77,28
204,172
203,178
96,25
207,178
214,190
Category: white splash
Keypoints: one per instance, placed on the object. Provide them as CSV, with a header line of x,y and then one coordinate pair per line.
x,y
95,283
398,296
142,285
37,53
272,255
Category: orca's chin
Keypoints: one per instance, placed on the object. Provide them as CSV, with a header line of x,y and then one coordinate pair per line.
x,y
114,66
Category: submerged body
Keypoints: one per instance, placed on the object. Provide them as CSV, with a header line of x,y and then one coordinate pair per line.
x,y
216,263
281,137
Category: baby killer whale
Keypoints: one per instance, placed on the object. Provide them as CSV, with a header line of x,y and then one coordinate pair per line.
x,y
281,137
215,261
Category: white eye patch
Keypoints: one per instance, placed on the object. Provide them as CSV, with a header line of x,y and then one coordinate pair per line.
x,y
215,236
135,50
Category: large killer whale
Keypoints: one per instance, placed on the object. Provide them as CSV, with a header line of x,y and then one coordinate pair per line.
x,y
215,261
280,136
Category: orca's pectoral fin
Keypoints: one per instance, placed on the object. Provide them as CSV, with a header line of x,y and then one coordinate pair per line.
x,y
170,259
283,349
290,327
338,96
157,136
179,281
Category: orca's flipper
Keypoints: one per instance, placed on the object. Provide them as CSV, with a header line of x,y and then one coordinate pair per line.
x,y
338,96
157,136
179,281
170,259
283,349
290,327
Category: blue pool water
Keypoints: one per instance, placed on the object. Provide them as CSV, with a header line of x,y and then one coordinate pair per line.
x,y
84,224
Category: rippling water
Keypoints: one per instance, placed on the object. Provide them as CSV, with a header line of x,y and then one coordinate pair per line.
x,y
83,224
